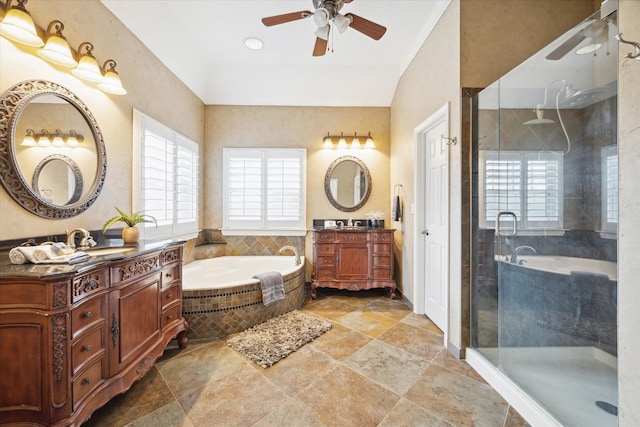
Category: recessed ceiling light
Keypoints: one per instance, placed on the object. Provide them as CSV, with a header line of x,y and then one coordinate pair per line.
x,y
253,43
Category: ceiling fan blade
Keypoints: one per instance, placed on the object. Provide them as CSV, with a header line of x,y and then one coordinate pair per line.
x,y
566,47
287,17
366,27
320,48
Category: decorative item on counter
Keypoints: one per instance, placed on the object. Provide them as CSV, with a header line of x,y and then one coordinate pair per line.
x,y
376,219
131,233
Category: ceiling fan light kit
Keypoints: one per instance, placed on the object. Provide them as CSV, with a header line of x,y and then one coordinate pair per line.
x,y
326,14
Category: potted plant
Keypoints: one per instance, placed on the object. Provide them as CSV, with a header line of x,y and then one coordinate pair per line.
x,y
376,219
130,233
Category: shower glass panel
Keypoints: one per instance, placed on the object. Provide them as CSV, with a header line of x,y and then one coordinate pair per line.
x,y
544,263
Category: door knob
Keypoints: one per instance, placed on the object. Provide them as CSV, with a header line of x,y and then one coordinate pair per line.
x,y
426,232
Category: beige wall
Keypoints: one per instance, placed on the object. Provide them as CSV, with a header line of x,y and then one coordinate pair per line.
x,y
299,127
629,216
152,88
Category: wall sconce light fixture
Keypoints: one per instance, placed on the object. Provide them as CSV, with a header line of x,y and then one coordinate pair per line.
x,y
18,26
111,80
47,139
327,141
57,50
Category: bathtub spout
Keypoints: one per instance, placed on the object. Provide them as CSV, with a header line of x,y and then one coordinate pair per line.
x,y
516,251
294,250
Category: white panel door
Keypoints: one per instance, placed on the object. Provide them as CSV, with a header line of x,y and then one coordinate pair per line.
x,y
436,238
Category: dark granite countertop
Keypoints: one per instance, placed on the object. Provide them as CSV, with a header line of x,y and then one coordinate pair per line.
x,y
101,255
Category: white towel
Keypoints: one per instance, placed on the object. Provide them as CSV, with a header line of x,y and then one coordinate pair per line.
x,y
43,254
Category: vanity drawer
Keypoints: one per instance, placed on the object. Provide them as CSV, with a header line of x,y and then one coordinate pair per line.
x,y
88,284
381,274
170,295
325,249
170,275
86,314
325,237
326,261
325,274
381,261
87,381
170,315
87,347
381,249
353,236
136,269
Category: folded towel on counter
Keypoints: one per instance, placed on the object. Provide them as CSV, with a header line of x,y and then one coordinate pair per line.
x,y
272,285
44,254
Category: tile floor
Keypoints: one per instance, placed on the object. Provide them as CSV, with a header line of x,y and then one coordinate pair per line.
x,y
379,365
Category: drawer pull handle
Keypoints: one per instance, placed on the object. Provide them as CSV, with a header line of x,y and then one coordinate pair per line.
x,y
87,381
169,296
88,315
168,275
86,347
169,317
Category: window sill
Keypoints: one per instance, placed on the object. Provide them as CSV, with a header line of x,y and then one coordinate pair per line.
x,y
263,232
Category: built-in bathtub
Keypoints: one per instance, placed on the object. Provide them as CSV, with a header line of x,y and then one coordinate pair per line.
x,y
553,300
220,296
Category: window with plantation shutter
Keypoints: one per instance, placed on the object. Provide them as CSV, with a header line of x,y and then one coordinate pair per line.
x,y
264,190
168,177
609,189
529,184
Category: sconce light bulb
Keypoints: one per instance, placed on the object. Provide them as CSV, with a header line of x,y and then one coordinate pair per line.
x,y
57,51
18,26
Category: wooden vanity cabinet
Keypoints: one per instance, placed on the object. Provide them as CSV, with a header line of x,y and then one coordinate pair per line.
x,y
74,342
353,259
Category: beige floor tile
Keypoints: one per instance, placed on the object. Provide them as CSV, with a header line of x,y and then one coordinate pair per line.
x,y
396,309
346,398
241,399
360,299
301,368
449,361
514,419
171,415
340,342
414,340
330,308
290,413
407,413
421,321
144,397
367,322
395,369
457,399
195,369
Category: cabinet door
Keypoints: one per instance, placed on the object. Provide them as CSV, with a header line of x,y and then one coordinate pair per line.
x,y
352,261
134,321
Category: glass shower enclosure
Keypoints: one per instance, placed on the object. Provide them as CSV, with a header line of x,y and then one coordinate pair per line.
x,y
544,237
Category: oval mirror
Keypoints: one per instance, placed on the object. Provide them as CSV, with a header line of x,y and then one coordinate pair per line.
x,y
54,146
347,183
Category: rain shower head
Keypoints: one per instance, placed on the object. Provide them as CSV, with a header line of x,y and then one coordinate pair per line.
x,y
539,120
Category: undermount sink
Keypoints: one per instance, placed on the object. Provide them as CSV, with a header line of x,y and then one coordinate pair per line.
x,y
108,250
353,227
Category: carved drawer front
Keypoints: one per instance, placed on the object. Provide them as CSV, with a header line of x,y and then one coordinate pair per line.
x,y
381,274
170,275
382,237
86,314
381,249
170,295
325,274
326,261
170,315
87,381
324,249
136,269
89,284
325,237
171,255
353,237
86,348
381,261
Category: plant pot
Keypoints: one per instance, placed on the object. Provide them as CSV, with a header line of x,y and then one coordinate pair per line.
x,y
130,234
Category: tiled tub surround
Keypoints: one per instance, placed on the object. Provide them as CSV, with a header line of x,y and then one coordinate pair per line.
x,y
216,313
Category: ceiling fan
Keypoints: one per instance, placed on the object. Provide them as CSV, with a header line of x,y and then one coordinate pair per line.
x,y
327,13
596,32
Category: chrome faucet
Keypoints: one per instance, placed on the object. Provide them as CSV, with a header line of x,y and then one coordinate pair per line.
x,y
86,241
516,251
350,222
294,250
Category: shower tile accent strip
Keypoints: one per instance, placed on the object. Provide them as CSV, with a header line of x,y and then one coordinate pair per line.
x,y
216,313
